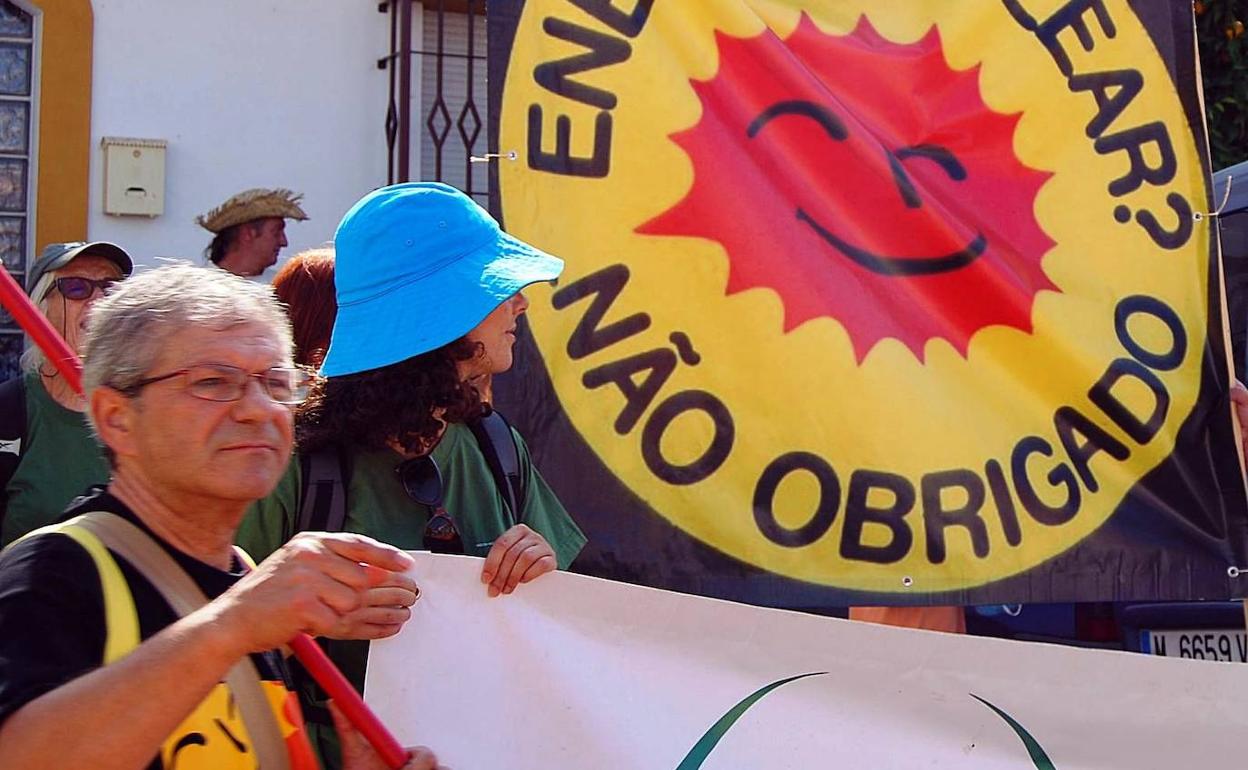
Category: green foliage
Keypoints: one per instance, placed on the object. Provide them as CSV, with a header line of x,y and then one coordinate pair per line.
x,y
1224,69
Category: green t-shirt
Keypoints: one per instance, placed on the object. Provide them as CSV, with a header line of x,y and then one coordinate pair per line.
x,y
60,460
378,507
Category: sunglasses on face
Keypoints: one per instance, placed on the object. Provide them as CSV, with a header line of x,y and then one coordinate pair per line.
x,y
78,288
422,481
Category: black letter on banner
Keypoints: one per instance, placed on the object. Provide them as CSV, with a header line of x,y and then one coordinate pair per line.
x,y
1068,16
1071,424
1131,141
858,513
1125,86
1140,303
604,51
627,24
658,364
936,518
1168,239
711,459
605,287
1102,394
1060,475
825,511
561,161
1005,504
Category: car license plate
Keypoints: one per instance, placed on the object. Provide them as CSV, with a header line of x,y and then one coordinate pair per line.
x,y
1198,644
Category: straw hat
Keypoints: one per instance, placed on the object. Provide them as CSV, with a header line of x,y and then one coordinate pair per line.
x,y
251,205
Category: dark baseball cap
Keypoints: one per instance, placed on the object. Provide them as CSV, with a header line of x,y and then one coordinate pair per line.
x,y
57,255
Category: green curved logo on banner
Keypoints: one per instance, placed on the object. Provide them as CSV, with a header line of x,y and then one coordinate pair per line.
x,y
1038,755
701,750
706,744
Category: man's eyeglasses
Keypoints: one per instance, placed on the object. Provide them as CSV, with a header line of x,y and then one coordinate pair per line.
x,y
78,288
422,481
220,382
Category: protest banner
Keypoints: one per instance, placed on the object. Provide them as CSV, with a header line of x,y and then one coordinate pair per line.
x,y
577,672
872,302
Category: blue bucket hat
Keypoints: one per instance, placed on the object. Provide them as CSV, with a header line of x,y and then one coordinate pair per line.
x,y
416,266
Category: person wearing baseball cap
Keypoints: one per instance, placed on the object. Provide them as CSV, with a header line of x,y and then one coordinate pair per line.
x,y
47,452
429,294
249,229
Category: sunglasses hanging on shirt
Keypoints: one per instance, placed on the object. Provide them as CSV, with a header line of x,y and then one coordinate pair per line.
x,y
422,481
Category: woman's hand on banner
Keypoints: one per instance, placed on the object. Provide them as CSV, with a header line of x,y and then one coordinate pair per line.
x,y
518,556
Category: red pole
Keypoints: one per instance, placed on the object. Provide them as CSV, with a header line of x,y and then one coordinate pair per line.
x,y
36,325
309,654
348,701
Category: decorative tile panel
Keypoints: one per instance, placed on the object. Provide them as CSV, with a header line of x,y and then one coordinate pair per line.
x,y
12,184
14,22
14,127
15,69
13,244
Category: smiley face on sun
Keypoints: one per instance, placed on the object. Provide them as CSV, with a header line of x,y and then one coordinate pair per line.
x,y
906,191
892,241
865,181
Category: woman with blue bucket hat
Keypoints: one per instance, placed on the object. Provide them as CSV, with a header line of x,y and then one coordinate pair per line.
x,y
429,292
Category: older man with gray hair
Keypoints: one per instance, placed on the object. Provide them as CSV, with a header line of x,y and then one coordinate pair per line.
x,y
134,634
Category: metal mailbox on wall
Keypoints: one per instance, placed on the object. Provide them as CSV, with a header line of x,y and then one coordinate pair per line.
x,y
134,176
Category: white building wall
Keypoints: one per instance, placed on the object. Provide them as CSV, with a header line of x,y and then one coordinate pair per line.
x,y
248,93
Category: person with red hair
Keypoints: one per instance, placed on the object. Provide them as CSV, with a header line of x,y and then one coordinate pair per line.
x,y
305,285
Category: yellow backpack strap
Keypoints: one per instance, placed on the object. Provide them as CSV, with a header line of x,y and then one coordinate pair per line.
x,y
121,619
184,597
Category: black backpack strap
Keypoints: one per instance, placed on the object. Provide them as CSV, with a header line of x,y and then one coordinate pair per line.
x,y
498,446
12,433
323,500
325,475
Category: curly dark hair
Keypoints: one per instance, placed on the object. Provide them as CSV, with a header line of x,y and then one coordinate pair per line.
x,y
408,403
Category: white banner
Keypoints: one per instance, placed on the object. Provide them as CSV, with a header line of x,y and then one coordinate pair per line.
x,y
575,672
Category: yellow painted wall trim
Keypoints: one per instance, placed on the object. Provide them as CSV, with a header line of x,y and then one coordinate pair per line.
x,y
64,121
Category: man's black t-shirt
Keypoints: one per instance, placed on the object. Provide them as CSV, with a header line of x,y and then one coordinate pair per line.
x,y
52,627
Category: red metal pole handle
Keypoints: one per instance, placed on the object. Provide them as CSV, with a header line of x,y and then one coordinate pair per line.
x,y
40,330
348,701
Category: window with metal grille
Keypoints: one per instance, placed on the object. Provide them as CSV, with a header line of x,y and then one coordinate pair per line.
x,y
444,91
17,84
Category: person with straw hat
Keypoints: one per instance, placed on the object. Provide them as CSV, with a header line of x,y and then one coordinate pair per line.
x,y
250,229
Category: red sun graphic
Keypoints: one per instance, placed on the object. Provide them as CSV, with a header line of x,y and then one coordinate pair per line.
x,y
866,181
